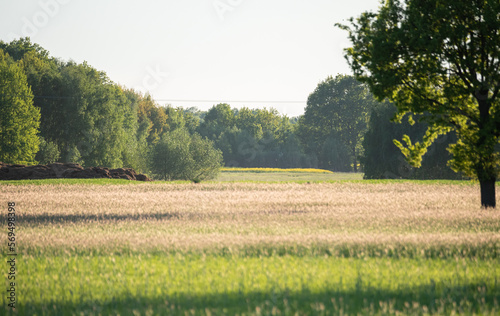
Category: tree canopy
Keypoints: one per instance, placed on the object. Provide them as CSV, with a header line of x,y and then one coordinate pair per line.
x,y
254,137
439,57
83,116
335,120
19,118
381,159
75,113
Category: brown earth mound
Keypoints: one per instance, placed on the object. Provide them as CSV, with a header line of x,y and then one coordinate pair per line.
x,y
66,170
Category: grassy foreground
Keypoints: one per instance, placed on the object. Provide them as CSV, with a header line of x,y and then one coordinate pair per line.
x,y
253,249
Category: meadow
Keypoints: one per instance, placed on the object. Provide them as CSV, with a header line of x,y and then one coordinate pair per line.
x,y
284,175
253,248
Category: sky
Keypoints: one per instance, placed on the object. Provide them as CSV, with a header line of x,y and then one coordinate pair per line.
x,y
253,53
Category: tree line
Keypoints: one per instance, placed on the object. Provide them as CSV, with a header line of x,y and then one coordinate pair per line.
x,y
67,112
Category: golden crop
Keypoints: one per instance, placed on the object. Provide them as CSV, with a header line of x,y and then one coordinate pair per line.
x,y
239,215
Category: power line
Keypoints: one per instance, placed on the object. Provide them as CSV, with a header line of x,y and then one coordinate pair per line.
x,y
228,101
190,101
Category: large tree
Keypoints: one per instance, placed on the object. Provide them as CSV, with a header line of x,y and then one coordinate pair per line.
x,y
439,57
19,118
335,120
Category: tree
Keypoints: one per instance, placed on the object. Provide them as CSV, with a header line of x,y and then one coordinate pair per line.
x,y
19,118
95,114
440,57
253,137
48,152
18,48
335,119
175,118
179,155
43,76
208,160
382,159
218,119
192,118
170,157
152,118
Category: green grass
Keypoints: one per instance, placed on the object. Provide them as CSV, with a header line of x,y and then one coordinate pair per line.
x,y
172,284
225,176
246,176
271,170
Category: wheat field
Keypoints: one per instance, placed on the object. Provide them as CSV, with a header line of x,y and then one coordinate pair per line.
x,y
255,248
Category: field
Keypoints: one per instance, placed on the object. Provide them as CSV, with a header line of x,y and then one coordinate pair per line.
x,y
229,175
253,248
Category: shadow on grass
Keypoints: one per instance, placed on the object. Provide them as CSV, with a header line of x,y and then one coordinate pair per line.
x,y
431,298
77,218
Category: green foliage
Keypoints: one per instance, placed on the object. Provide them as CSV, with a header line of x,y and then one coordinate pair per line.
x,y
179,155
135,150
192,117
152,119
90,119
19,118
382,159
170,157
254,137
175,118
48,152
17,49
95,116
334,122
207,159
73,156
218,119
440,57
335,155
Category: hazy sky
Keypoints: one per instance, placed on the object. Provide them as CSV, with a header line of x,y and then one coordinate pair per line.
x,y
209,50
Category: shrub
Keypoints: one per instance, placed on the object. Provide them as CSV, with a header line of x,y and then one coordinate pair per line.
x,y
181,156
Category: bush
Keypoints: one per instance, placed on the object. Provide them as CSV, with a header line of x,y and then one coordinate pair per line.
x,y
181,156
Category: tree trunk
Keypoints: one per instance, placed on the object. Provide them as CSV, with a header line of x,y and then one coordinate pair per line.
x,y
486,149
355,159
488,198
